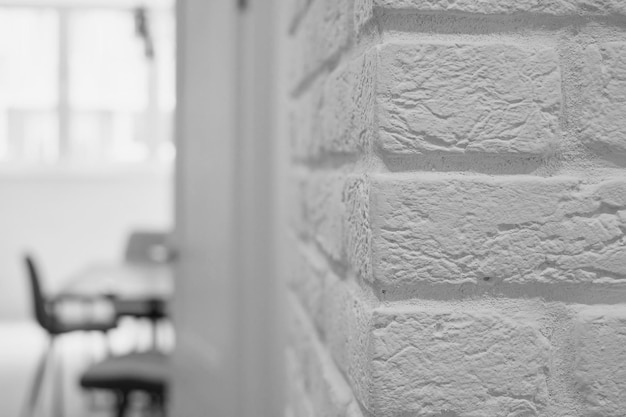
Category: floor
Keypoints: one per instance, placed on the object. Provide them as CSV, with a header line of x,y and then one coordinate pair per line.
x,y
22,345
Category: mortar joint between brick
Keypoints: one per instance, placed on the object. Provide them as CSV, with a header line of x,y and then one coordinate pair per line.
x,y
533,19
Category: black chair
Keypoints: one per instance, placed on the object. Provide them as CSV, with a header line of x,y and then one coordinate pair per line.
x,y
146,372
151,309
45,311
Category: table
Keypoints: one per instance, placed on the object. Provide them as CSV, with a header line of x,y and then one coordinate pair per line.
x,y
137,290
124,281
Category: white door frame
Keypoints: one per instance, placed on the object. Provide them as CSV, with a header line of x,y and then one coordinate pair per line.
x,y
228,357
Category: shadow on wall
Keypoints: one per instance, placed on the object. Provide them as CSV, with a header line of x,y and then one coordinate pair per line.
x,y
70,220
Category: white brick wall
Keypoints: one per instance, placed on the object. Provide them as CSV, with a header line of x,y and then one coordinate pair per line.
x,y
603,123
496,7
429,228
600,366
458,241
467,98
429,359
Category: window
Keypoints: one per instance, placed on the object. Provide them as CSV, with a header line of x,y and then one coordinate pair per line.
x,y
81,86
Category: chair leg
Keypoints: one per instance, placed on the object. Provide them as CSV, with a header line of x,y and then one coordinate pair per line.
x,y
58,397
122,403
108,349
138,324
162,406
28,409
156,405
93,357
155,332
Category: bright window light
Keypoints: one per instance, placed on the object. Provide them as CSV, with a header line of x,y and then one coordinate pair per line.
x,y
79,87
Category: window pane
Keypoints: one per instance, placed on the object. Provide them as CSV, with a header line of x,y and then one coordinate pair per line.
x,y
84,73
107,65
164,38
111,75
29,84
163,29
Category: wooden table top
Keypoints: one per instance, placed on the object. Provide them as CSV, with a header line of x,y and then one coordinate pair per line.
x,y
122,280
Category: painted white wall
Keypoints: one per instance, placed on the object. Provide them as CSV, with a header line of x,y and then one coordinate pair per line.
x,y
68,220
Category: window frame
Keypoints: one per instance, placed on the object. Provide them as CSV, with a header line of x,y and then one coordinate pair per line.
x,y
90,4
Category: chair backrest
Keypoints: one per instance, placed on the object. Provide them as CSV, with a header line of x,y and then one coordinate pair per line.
x,y
39,301
147,246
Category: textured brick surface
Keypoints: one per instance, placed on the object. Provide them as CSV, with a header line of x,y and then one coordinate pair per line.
x,y
347,114
429,361
319,212
382,325
294,11
305,124
347,324
551,7
335,114
600,367
604,124
298,401
447,229
330,394
461,98
363,13
433,359
308,275
357,222
322,32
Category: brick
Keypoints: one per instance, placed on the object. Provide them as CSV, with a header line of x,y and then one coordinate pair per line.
x,y
468,98
308,276
294,72
600,365
305,123
433,359
604,106
357,234
469,229
348,313
335,116
322,33
347,115
507,7
354,410
449,361
319,213
363,13
295,10
433,98
331,209
330,394
299,403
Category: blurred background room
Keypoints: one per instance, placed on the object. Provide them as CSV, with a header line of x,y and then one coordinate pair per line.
x,y
138,204
86,159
